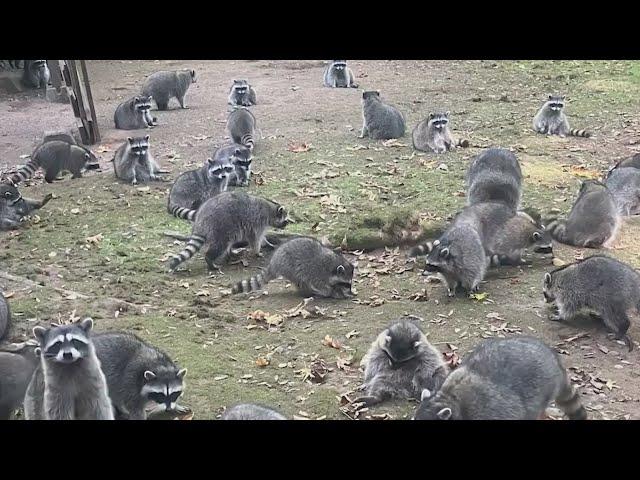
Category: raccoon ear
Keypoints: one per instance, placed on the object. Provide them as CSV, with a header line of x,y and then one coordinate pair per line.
x,y
237,152
387,339
86,324
149,375
340,270
430,116
445,414
136,99
564,97
550,97
147,137
87,156
547,279
210,161
417,344
445,252
182,373
436,243
281,210
39,333
536,236
425,394
446,114
130,140
37,351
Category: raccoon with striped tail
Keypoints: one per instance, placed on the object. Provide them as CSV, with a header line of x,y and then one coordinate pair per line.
x,y
14,208
241,125
163,86
134,114
194,187
241,93
594,220
495,175
228,219
433,135
315,270
504,379
551,119
133,162
54,157
339,75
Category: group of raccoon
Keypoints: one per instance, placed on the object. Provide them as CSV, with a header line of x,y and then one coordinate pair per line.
x,y
491,230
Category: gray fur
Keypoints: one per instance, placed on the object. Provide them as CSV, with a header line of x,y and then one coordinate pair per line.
x,y
36,74
339,75
241,126
593,221
16,370
313,268
14,207
125,358
163,86
495,175
55,157
250,411
69,383
433,135
5,317
631,162
133,162
134,114
624,185
379,120
551,119
401,363
504,379
241,93
600,286
62,136
228,219
241,158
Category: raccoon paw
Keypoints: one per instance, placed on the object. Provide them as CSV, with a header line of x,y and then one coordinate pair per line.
x,y
367,401
555,317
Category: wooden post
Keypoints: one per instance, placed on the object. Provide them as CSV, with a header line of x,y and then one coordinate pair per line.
x,y
87,123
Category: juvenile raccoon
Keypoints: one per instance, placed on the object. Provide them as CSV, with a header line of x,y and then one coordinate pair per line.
x,y
593,221
313,268
504,379
241,126
228,219
140,377
69,383
163,86
624,185
599,285
379,120
250,411
551,119
54,157
495,175
433,134
36,74
16,369
338,75
241,93
134,163
134,114
5,317
241,159
401,363
191,189
13,207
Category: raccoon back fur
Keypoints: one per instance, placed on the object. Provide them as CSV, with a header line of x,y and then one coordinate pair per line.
x,y
241,126
163,86
624,185
16,370
495,175
379,120
433,134
250,411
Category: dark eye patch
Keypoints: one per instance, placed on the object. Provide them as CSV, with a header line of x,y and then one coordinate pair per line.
x,y
78,345
53,350
157,397
173,397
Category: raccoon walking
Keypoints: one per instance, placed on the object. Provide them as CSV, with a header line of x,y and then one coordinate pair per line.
x,y
141,378
133,162
313,268
194,187
241,93
163,86
504,379
379,120
495,175
134,114
593,221
36,74
241,126
5,317
339,75
551,119
624,185
433,135
69,383
55,157
598,285
16,370
401,363
228,219
14,208
250,411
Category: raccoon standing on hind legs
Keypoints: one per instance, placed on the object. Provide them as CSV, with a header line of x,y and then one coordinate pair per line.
x,y
339,75
551,119
163,86
433,135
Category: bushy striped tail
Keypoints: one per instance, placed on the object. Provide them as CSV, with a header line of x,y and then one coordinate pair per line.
x,y
424,249
183,213
248,141
193,245
574,132
462,142
25,172
570,403
257,282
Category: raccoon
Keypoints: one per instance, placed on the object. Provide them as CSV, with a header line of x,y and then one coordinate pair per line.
x,y
379,120
593,221
54,157
61,136
241,93
14,208
241,159
401,363
134,163
5,317
495,175
163,86
315,270
338,75
191,189
140,377
250,411
134,114
227,219
551,119
241,125
69,383
36,74
16,369
504,379
624,185
631,162
599,285
433,135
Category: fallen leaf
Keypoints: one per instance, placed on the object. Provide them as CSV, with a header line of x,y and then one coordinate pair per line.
x,y
95,239
479,296
558,262
330,342
262,362
299,148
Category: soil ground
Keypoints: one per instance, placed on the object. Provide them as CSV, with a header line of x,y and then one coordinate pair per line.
x,y
103,239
